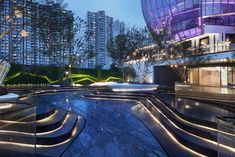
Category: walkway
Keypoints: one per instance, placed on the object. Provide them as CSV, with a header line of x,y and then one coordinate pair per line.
x,y
111,129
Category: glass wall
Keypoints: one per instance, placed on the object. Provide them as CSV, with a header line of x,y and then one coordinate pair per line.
x,y
224,76
220,8
209,76
212,76
194,76
182,16
231,75
185,18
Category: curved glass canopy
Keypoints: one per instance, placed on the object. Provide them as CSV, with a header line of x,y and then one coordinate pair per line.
x,y
186,18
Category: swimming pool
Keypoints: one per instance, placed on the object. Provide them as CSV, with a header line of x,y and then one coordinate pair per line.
x,y
195,108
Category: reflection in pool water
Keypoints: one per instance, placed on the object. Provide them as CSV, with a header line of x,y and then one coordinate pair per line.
x,y
195,109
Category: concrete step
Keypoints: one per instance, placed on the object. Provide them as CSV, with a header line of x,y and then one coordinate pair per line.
x,y
25,120
45,113
59,149
25,133
37,130
52,122
51,144
186,134
60,134
13,110
20,115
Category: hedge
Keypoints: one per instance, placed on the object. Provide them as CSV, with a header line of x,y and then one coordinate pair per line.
x,y
21,74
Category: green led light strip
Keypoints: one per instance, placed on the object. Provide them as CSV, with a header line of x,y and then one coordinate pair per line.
x,y
84,77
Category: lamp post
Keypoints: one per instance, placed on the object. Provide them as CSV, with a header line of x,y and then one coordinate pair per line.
x,y
70,73
67,76
99,71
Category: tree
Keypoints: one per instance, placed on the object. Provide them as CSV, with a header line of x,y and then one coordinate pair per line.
x,y
54,24
17,13
139,55
142,49
119,51
146,49
61,33
77,40
125,50
129,74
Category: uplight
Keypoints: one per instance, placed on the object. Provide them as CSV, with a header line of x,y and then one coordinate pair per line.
x,y
187,106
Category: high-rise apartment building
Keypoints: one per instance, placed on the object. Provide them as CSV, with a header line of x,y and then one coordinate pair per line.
x,y
29,50
118,28
100,32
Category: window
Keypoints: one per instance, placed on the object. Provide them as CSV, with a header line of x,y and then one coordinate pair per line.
x,y
209,76
231,75
230,38
204,41
194,76
224,76
212,76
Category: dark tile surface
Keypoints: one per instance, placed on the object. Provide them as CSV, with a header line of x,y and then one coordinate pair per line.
x,y
111,128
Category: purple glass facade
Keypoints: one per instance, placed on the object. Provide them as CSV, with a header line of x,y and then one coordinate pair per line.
x,y
186,18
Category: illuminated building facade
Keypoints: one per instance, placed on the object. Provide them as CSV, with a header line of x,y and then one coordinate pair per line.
x,y
28,50
100,30
206,24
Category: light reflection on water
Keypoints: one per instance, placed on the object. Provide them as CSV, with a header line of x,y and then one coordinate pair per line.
x,y
195,109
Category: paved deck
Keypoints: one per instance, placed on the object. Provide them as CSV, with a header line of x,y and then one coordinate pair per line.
x,y
112,129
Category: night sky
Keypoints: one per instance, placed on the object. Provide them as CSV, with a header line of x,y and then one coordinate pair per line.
x,y
128,11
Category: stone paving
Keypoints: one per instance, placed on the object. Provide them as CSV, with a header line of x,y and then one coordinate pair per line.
x,y
111,128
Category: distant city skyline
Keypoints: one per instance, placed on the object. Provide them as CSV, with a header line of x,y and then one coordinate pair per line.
x,y
124,10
